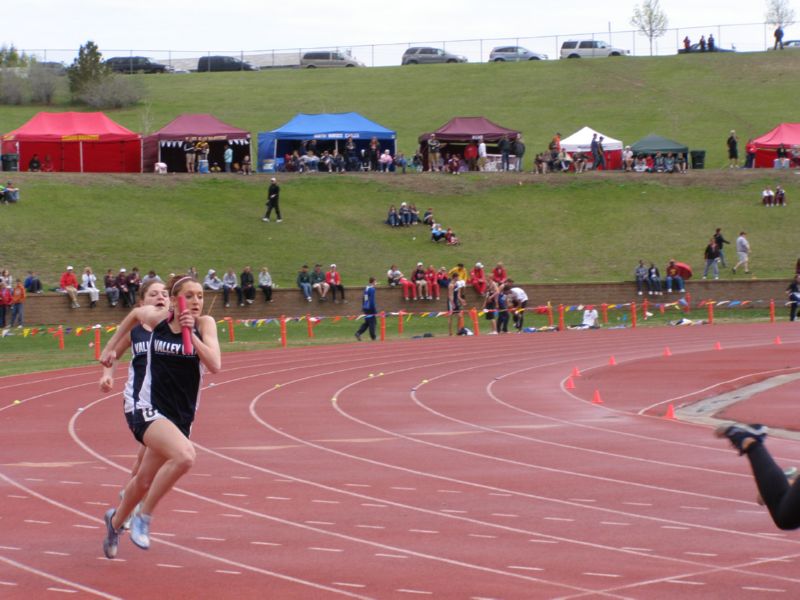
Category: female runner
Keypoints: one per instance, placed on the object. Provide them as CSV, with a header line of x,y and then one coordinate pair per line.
x,y
163,408
152,293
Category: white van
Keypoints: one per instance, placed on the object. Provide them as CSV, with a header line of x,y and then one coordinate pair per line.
x,y
590,49
312,60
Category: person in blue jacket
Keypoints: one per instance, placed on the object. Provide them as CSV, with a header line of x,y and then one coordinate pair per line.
x,y
369,309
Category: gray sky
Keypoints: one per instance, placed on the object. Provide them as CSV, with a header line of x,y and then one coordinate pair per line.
x,y
201,26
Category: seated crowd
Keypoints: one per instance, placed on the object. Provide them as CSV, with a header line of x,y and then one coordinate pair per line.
x,y
309,159
650,277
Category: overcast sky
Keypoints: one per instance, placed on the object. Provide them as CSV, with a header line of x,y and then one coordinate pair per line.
x,y
151,28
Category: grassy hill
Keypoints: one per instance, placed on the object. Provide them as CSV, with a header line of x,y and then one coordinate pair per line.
x,y
695,99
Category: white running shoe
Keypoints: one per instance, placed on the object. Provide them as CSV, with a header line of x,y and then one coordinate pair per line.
x,y
140,530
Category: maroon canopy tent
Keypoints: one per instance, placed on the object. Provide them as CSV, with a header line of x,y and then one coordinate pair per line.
x,y
76,142
166,144
460,131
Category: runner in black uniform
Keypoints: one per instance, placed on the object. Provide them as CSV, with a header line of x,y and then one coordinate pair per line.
x,y
163,408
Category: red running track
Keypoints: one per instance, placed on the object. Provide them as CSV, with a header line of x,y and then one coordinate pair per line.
x,y
440,468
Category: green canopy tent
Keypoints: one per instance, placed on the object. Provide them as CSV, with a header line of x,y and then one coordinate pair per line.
x,y
655,143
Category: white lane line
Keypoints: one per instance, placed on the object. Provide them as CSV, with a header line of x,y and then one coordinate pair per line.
x,y
638,503
614,523
62,590
277,498
422,531
543,541
265,544
505,515
403,489
227,572
209,539
36,479
168,566
761,589
453,511
185,511
373,505
9,548
371,526
684,582
348,584
522,568
319,522
83,526
240,477
18,497
9,583
501,494
419,592
71,482
613,575
483,536
358,485
558,519
582,500
114,485
160,534
234,495
385,555
96,503
36,522
327,501
707,554
679,527
635,549
695,508
449,491
320,549
56,553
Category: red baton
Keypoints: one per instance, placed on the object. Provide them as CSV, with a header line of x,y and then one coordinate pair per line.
x,y
186,333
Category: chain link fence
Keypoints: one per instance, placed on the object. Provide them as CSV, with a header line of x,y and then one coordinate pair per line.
x,y
744,37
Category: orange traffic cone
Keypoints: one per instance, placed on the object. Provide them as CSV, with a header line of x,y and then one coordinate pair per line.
x,y
570,385
596,399
667,351
778,340
575,372
670,414
717,346
612,361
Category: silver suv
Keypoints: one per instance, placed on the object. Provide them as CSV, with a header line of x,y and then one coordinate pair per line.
x,y
315,59
425,56
514,54
589,49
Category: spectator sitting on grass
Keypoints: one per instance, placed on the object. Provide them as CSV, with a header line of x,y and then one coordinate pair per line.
x,y
396,279
231,282
433,284
640,164
421,282
112,290
674,278
477,278
304,282
319,284
9,194
32,283
400,162
212,281
386,161
412,209
405,215
393,218
427,218
437,233
34,164
69,285
451,238
454,164
669,163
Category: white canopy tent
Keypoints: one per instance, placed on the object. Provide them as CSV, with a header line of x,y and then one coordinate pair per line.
x,y
581,141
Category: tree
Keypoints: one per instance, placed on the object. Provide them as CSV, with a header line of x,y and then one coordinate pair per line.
x,y
650,20
779,13
86,70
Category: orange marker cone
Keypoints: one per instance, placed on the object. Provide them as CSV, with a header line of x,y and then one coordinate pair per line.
x,y
570,385
612,361
778,340
717,346
667,351
596,399
670,414
575,372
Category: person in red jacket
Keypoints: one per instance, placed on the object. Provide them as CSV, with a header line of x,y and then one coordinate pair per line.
x,y
5,302
18,305
471,156
334,279
69,283
477,278
499,274
433,284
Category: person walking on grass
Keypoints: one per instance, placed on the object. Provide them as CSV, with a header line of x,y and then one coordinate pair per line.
x,y
370,311
162,411
743,252
273,199
777,489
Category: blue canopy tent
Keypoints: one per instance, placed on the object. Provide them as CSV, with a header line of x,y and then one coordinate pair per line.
x,y
328,131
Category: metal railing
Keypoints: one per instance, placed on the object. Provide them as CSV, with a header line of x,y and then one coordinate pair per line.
x,y
743,37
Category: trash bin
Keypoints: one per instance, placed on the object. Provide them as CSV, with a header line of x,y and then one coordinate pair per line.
x,y
698,159
10,162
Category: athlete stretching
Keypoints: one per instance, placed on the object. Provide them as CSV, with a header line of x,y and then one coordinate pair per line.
x,y
781,498
163,408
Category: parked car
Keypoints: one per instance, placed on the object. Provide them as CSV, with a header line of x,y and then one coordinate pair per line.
x,y
514,54
695,48
590,49
135,64
311,60
425,56
788,45
223,63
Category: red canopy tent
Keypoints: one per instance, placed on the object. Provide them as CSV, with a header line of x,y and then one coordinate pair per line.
x,y
166,144
766,145
76,142
460,131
